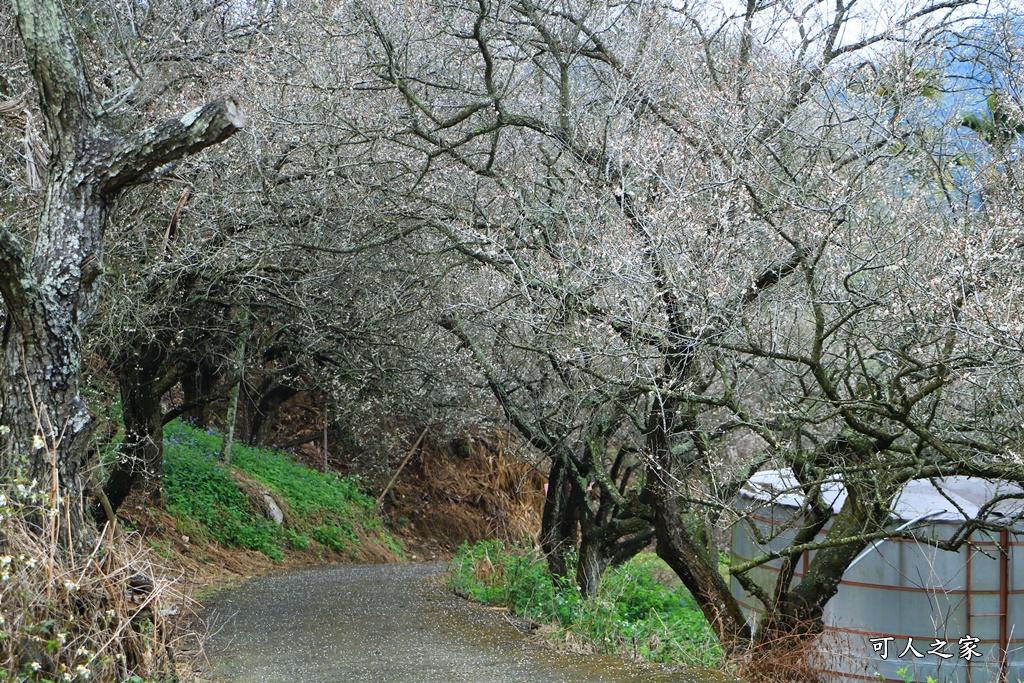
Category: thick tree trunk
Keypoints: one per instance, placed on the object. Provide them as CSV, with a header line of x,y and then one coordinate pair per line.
x,y
798,616
677,546
600,548
142,378
48,296
198,385
50,425
271,397
698,572
140,460
559,519
590,565
50,293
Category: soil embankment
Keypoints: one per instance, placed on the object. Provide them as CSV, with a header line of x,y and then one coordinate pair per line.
x,y
470,489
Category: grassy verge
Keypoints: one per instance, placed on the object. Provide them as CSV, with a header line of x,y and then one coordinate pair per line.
x,y
323,513
634,614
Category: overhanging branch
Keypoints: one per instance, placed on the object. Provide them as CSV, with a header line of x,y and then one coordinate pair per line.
x,y
167,141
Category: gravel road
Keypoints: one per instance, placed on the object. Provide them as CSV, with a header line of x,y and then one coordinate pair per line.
x,y
389,624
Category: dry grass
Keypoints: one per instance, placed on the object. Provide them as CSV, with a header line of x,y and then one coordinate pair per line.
x,y
783,663
202,563
794,658
103,617
477,490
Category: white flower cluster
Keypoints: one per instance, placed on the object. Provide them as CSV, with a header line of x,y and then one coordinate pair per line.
x,y
28,493
16,497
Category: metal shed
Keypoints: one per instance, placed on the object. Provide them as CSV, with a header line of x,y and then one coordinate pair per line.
x,y
900,592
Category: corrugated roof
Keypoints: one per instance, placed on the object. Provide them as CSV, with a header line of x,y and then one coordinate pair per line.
x,y
952,499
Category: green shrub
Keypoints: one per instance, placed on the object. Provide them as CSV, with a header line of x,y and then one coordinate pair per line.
x,y
633,614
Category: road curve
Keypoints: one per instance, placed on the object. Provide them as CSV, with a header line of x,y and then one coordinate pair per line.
x,y
388,624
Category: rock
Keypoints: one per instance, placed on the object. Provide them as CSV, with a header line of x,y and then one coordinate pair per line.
x,y
261,499
272,511
140,584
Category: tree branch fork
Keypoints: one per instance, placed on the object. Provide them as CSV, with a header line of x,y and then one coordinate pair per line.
x,y
109,165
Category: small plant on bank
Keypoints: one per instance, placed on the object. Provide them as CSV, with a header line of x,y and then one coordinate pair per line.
x,y
334,538
633,614
295,539
904,673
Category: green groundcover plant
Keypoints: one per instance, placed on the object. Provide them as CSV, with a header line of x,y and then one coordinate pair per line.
x,y
321,507
634,613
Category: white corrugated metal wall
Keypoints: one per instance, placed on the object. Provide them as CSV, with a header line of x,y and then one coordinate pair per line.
x,y
903,590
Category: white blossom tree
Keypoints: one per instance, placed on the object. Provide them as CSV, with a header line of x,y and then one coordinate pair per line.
x,y
685,224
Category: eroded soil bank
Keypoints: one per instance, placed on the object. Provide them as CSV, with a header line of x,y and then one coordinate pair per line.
x,y
389,623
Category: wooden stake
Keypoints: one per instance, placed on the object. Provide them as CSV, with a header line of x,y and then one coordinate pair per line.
x,y
399,470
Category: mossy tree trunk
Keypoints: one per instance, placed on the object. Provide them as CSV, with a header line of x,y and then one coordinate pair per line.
x,y
50,289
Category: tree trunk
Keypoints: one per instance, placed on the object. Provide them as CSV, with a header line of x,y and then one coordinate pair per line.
x,y
198,385
698,572
50,424
677,547
50,291
142,378
270,401
229,425
590,564
559,518
232,414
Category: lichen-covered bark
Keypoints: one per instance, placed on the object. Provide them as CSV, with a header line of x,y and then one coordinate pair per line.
x,y
39,388
55,61
51,291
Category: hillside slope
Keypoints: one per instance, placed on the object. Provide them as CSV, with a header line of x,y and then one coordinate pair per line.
x,y
264,511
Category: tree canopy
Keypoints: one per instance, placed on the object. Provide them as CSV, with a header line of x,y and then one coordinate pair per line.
x,y
669,245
